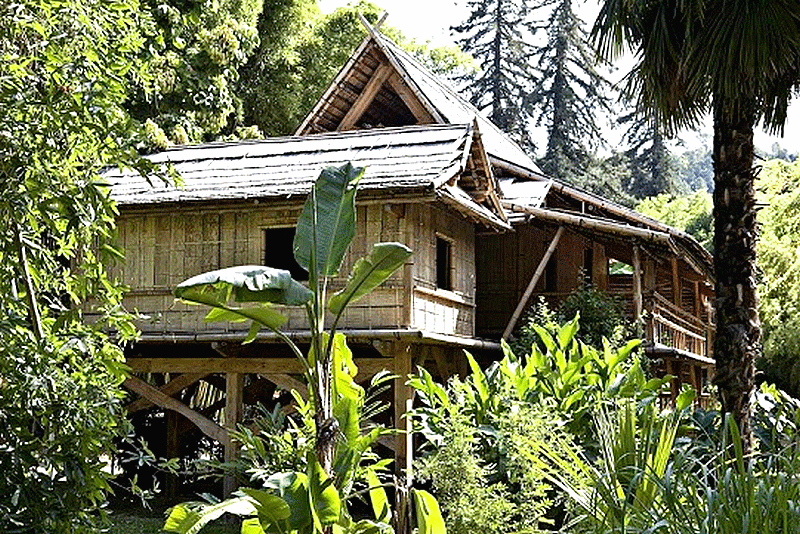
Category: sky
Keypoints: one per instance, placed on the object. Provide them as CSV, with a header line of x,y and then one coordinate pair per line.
x,y
431,20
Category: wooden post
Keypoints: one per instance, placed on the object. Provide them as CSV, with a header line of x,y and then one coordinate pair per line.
x,y
403,396
172,450
637,285
698,303
676,283
534,280
599,267
234,386
408,295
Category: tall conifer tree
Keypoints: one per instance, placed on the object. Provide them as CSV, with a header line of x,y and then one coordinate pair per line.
x,y
568,95
653,170
498,34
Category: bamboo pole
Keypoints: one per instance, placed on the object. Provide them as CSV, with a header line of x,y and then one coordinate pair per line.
x,y
532,284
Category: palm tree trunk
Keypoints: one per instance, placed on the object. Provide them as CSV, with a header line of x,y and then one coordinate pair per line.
x,y
737,342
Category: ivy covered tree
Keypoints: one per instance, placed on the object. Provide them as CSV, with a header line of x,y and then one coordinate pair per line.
x,y
63,66
499,35
196,48
569,95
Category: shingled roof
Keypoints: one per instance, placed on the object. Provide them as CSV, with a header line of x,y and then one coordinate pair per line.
x,y
438,160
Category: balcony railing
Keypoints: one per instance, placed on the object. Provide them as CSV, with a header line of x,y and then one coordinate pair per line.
x,y
669,325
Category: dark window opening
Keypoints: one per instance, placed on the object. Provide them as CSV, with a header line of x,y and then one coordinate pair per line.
x,y
588,266
279,253
443,264
551,275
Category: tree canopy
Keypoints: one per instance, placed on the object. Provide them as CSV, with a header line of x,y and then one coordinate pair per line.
x,y
569,95
64,68
499,34
194,50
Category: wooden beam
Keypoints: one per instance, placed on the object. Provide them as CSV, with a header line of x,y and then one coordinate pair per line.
x,y
532,284
176,385
207,426
379,76
410,99
234,393
367,367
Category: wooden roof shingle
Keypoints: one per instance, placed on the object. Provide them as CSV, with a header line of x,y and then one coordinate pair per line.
x,y
398,160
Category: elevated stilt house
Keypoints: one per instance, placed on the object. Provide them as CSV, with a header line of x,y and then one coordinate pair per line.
x,y
487,228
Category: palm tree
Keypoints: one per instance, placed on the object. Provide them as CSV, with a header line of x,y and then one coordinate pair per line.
x,y
740,59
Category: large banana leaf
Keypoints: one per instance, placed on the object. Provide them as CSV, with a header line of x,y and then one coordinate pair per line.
x,y
369,273
325,502
326,225
186,519
428,513
247,283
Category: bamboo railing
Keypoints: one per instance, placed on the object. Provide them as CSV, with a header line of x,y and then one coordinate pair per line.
x,y
672,326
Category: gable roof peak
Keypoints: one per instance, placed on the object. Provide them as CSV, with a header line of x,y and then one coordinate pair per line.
x,y
382,85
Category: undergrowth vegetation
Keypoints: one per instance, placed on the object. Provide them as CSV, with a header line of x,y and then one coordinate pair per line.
x,y
565,437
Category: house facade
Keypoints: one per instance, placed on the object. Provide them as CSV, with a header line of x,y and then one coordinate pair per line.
x,y
489,232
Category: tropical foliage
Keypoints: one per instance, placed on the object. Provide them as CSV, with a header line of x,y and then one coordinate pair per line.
x,y
778,249
194,50
690,213
480,430
651,477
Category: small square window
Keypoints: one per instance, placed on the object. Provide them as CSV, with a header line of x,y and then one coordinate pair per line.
x,y
444,264
279,252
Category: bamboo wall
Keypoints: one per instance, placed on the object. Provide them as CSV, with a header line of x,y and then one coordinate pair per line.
x,y
506,263
433,309
164,248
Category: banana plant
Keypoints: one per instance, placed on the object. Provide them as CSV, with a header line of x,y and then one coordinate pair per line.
x,y
306,502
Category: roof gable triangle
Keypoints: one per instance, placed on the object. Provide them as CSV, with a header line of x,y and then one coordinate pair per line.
x,y
381,85
371,90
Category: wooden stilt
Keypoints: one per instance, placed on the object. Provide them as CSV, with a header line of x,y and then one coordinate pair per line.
x,y
172,450
403,395
234,383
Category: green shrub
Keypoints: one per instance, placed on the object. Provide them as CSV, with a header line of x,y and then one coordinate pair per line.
x,y
480,430
602,316
459,477
653,478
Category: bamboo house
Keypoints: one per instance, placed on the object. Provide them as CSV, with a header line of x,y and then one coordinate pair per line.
x,y
489,232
